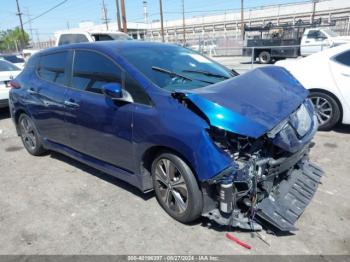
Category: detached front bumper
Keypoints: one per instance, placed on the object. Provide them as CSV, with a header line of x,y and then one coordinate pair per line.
x,y
286,204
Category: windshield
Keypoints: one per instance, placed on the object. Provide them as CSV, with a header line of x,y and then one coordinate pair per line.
x,y
330,33
6,66
174,67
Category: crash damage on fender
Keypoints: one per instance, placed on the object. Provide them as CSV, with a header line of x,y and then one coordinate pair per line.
x,y
264,122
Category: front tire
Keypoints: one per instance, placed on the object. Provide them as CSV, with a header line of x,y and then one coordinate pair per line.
x,y
176,188
30,136
327,110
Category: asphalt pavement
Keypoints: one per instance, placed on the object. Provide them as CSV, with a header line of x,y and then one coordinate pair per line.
x,y
55,205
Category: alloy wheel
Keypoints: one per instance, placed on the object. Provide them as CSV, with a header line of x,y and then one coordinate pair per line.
x,y
27,133
323,109
171,186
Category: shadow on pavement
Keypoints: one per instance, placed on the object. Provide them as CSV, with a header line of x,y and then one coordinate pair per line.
x,y
4,113
202,221
269,229
345,129
101,175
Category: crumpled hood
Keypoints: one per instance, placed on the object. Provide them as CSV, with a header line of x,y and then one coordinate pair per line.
x,y
250,104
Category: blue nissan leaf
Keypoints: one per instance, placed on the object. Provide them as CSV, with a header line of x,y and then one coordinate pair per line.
x,y
209,142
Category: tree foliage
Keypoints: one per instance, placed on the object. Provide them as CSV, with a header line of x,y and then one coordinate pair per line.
x,y
11,40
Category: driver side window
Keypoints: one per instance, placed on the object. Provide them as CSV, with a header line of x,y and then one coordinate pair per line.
x,y
314,34
92,70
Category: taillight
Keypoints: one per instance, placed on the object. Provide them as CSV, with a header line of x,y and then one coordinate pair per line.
x,y
14,84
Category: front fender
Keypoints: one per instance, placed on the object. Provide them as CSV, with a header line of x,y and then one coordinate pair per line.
x,y
181,130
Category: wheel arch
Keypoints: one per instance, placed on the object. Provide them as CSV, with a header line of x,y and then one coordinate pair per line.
x,y
333,96
151,154
16,116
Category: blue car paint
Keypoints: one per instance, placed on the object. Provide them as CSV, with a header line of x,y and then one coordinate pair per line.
x,y
250,104
166,124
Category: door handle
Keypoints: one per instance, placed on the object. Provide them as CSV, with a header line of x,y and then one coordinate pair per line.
x,y
344,74
32,91
307,41
71,103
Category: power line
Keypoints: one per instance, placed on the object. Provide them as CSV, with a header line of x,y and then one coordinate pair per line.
x,y
47,11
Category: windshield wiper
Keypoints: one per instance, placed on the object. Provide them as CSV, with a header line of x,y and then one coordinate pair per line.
x,y
207,73
172,74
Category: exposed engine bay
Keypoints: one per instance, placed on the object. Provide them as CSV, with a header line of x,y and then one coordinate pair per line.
x,y
259,185
270,179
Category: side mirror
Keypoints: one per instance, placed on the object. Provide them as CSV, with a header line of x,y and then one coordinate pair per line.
x,y
113,90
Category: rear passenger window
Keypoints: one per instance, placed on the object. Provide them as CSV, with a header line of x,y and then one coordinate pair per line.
x,y
343,58
92,70
52,67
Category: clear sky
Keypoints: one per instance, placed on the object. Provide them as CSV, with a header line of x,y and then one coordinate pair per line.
x,y
75,11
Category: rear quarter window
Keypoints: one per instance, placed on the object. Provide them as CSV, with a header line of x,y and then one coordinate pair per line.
x,y
343,58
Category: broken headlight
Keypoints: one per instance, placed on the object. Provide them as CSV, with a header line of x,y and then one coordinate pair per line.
x,y
301,121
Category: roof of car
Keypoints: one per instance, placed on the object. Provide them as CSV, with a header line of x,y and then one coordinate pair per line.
x,y
108,45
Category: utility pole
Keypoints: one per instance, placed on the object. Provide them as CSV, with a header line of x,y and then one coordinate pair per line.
x,y
145,12
161,19
125,29
20,20
313,10
38,39
30,26
118,16
242,19
183,22
104,14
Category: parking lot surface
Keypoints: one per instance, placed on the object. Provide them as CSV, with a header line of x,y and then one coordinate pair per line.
x,y
55,205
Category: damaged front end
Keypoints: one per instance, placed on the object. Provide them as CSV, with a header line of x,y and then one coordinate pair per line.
x,y
271,179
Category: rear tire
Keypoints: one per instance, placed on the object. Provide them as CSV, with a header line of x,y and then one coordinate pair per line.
x,y
327,110
30,136
176,188
264,57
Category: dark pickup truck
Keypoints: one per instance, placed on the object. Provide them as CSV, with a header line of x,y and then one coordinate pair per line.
x,y
267,50
273,42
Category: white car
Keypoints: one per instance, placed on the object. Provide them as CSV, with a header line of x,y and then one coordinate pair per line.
x,y
327,76
14,59
74,36
8,71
